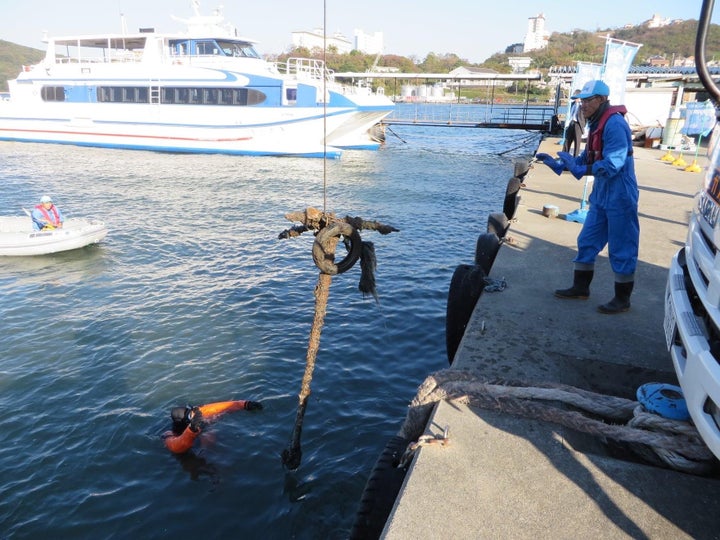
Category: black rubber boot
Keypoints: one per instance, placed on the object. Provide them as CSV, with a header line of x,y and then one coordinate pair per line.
x,y
580,289
621,301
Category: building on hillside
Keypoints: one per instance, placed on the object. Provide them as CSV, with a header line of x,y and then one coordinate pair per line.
x,y
463,70
659,61
536,37
365,43
519,63
656,21
315,39
682,61
369,43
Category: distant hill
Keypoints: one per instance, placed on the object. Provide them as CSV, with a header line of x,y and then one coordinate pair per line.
x,y
12,58
674,41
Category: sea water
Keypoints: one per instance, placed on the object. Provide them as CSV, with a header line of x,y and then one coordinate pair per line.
x,y
193,298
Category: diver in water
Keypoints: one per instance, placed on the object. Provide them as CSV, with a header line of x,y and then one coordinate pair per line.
x,y
188,422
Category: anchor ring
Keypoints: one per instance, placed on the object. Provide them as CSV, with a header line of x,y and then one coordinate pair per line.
x,y
324,258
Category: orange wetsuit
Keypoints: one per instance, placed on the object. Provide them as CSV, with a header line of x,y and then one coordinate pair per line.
x,y
182,442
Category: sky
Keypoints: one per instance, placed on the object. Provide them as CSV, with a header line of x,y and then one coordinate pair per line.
x,y
472,29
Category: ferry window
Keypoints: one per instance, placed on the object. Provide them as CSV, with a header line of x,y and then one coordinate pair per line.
x,y
291,94
103,94
238,49
210,96
251,52
206,47
53,93
169,95
227,96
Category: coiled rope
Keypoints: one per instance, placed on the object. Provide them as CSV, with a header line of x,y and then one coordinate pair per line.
x,y
674,443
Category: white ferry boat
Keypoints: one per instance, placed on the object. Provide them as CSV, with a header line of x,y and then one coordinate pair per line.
x,y
205,90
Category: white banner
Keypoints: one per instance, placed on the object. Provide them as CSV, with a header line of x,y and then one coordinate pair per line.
x,y
584,72
619,56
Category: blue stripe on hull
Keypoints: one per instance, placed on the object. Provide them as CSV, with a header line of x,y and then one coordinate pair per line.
x,y
332,152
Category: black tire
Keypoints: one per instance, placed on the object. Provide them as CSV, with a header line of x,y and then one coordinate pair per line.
x,y
380,491
521,168
486,250
512,198
324,262
466,287
498,223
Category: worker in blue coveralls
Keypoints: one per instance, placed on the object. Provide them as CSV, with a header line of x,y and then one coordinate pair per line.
x,y
612,218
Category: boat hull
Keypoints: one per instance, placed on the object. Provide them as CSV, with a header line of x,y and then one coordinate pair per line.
x,y
275,126
170,129
18,239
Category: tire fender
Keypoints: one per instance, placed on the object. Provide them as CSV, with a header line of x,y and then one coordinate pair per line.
x,y
512,198
498,223
380,491
486,250
466,286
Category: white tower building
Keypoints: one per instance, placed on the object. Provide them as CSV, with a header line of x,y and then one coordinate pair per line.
x,y
536,36
368,43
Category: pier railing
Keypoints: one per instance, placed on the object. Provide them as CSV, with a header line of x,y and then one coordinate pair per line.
x,y
415,107
508,116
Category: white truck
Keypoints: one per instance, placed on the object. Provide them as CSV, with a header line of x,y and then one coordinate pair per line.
x,y
692,295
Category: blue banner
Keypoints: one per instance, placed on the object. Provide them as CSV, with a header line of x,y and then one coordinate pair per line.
x,y
699,118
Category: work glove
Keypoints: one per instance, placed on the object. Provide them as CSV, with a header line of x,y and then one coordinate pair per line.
x,y
196,419
253,406
578,170
555,164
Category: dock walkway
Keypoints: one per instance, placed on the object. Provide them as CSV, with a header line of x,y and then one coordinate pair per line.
x,y
503,476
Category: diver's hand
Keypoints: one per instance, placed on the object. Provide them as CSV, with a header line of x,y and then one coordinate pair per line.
x,y
555,164
253,406
196,419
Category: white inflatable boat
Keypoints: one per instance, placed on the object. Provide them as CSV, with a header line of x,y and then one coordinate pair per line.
x,y
18,239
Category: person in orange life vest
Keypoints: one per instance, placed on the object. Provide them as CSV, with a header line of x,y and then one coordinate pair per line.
x,y
612,218
46,215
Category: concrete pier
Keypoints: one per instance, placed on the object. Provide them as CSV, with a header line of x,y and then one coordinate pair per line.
x,y
504,476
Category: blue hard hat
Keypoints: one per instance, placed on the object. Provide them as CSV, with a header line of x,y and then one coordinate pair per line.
x,y
593,88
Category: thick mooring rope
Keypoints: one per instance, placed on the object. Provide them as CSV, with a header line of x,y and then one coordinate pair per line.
x,y
292,455
328,231
675,443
